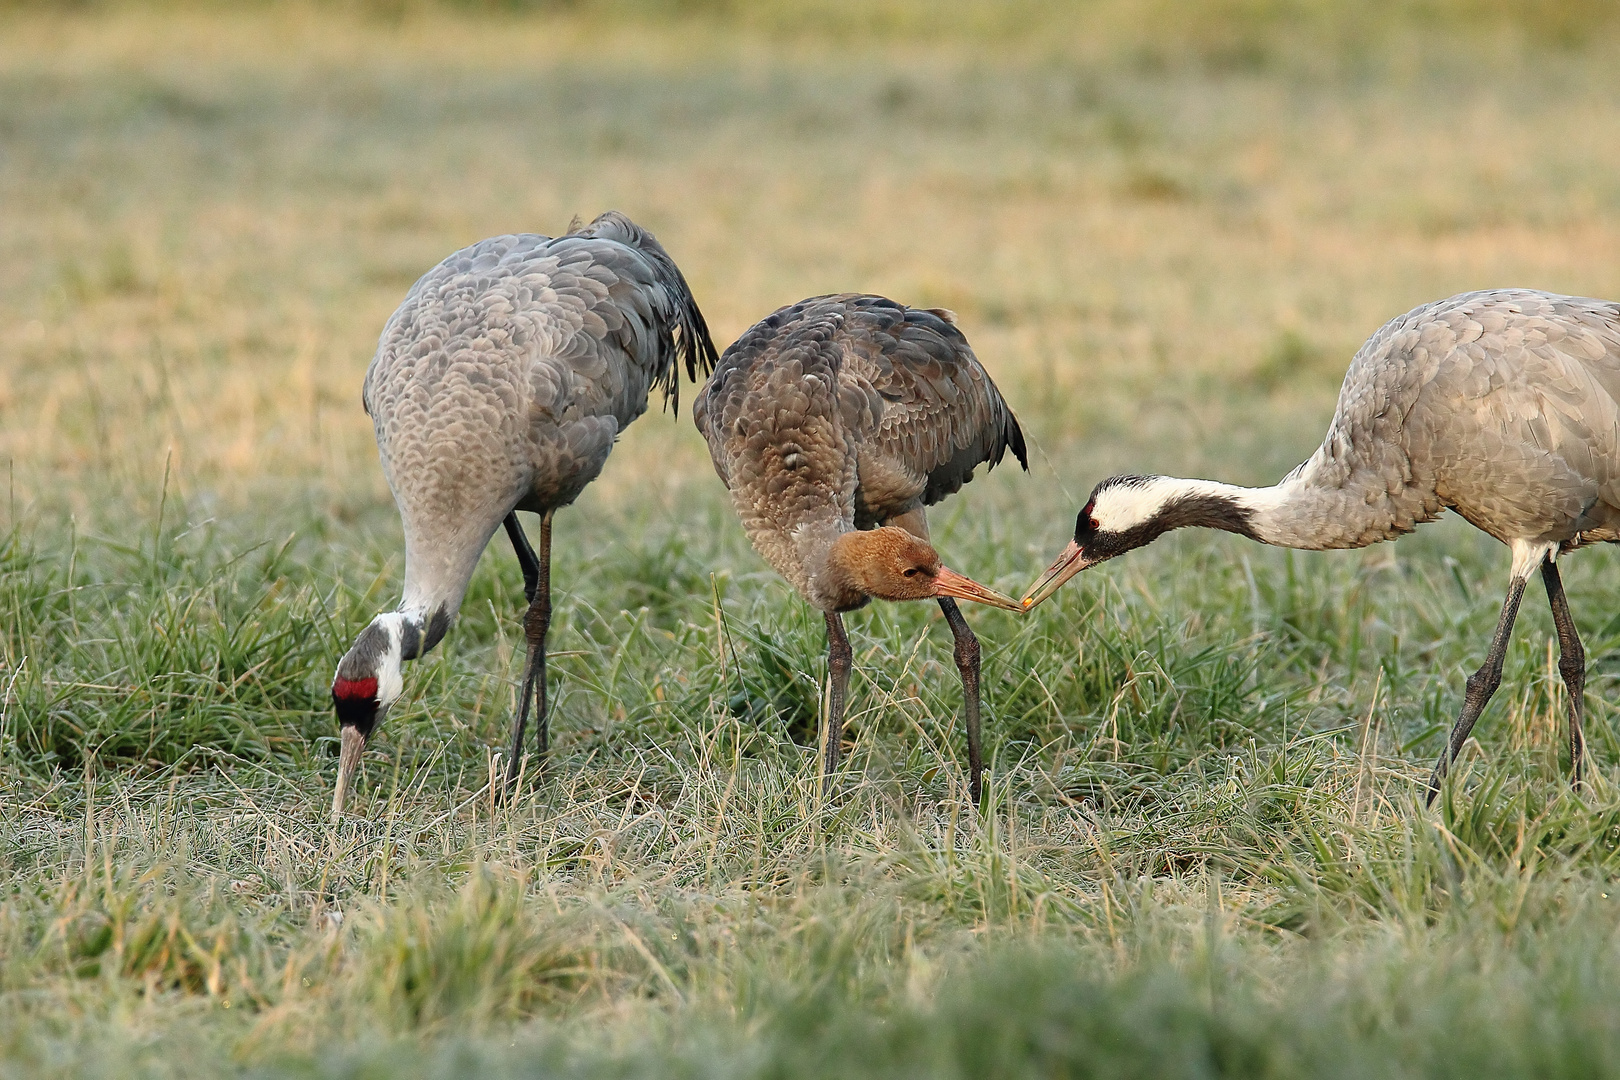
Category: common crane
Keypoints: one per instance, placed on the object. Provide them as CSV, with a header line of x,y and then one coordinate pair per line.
x,y
499,385
1503,406
834,422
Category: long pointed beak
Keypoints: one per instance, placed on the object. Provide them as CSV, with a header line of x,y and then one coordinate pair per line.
x,y
1068,564
353,745
950,583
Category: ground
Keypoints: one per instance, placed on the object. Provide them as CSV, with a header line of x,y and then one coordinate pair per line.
x,y
1165,228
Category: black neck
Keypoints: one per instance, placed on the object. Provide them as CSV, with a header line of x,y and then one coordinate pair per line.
x,y
1208,511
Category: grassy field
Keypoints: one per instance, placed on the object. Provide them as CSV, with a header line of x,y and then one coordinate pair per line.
x,y
1165,227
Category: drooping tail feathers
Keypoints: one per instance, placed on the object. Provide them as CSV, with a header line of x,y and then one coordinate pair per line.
x,y
1013,437
686,339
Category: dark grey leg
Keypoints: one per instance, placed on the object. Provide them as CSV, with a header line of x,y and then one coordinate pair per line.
x,y
535,624
525,556
967,663
1481,685
839,660
1571,665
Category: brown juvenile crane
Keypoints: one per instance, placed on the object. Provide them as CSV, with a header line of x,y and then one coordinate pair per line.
x,y
1503,406
834,422
500,385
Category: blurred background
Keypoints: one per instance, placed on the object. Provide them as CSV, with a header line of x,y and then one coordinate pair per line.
x,y
1166,225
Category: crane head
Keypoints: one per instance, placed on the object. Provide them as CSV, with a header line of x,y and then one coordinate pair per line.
x,y
892,564
1126,512
1123,513
367,682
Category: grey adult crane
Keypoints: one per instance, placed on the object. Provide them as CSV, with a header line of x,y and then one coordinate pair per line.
x,y
834,422
500,385
1503,406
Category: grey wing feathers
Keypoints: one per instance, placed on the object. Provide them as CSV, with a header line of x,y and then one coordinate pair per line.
x,y
596,300
942,416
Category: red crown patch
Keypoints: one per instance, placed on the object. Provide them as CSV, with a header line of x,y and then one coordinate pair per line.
x,y
352,689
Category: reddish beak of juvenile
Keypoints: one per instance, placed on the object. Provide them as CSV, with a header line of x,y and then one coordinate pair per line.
x,y
950,583
1068,564
352,746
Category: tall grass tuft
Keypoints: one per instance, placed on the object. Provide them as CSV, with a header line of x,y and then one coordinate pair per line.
x,y
481,955
141,651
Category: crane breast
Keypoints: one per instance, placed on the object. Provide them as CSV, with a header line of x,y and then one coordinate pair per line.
x,y
772,417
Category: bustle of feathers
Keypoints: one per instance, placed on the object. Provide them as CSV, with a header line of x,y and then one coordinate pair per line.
x,y
688,343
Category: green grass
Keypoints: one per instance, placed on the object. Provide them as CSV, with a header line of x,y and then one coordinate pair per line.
x,y
1165,229
1197,858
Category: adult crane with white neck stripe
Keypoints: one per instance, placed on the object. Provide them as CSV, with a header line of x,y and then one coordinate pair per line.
x,y
500,385
1503,406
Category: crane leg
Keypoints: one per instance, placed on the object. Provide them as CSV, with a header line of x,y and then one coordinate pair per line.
x,y
536,622
839,660
1481,685
1571,665
525,556
967,663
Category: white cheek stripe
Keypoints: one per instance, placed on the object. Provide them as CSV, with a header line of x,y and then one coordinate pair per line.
x,y
390,681
1125,506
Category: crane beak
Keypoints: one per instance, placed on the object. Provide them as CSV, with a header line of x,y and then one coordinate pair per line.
x,y
1068,564
950,583
353,745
